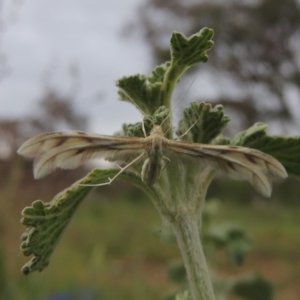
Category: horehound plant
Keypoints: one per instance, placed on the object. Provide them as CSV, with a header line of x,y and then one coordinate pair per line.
x,y
175,174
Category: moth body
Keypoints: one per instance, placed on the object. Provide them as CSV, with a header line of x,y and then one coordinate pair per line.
x,y
155,162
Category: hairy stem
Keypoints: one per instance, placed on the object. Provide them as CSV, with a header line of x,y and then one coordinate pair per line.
x,y
187,234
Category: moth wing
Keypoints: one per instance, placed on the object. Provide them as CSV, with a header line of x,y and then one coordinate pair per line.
x,y
242,163
68,150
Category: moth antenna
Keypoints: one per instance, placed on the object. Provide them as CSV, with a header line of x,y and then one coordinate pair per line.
x,y
167,131
176,105
141,111
186,132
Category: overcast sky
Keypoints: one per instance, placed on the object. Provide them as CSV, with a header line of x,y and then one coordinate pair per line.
x,y
43,35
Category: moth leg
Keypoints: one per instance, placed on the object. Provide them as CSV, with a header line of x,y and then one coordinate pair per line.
x,y
166,161
143,127
110,180
143,124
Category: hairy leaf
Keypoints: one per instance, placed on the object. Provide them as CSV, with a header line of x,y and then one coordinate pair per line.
x,y
201,123
189,51
46,221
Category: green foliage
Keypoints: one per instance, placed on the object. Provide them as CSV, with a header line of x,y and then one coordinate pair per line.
x,y
201,123
285,149
46,221
187,52
150,93
142,91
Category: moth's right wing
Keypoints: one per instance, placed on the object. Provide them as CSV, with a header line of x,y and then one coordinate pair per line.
x,y
243,163
69,150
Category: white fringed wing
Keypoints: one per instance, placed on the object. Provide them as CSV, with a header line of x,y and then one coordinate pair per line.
x,y
242,163
69,150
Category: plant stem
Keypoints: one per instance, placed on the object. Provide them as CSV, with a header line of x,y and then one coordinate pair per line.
x,y
186,230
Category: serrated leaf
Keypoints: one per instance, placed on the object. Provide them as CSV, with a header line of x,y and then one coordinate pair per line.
x,y
136,90
189,51
46,221
158,73
143,91
202,122
285,149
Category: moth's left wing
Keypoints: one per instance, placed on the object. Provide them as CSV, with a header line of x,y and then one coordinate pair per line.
x,y
238,162
68,150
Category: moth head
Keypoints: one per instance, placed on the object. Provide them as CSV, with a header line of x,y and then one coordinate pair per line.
x,y
157,130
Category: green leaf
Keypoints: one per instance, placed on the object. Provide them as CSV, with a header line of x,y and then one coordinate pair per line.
x,y
253,134
201,123
187,52
46,221
158,73
285,149
143,91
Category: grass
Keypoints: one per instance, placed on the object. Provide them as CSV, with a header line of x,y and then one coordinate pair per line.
x,y
112,247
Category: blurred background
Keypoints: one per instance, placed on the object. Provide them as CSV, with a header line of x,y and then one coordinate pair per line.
x,y
58,64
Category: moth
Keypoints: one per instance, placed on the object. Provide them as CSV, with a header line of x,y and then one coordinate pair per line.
x,y
68,150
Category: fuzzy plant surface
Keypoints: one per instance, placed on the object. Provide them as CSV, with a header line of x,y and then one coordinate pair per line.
x,y
232,239
176,183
